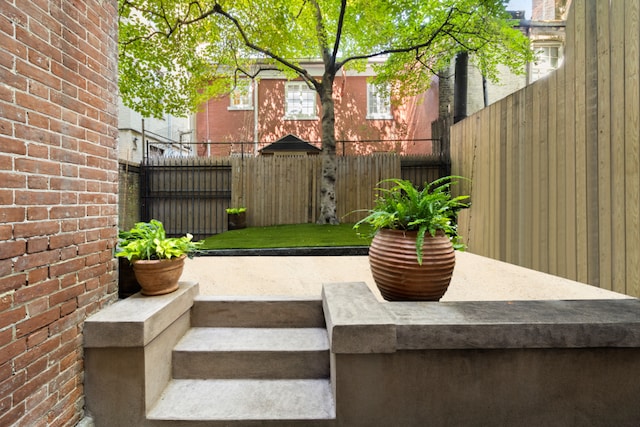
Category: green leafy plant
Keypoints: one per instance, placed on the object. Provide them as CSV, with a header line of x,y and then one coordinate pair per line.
x,y
236,211
405,207
148,240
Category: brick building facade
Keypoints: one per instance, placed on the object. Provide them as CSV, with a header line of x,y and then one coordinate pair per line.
x,y
58,199
361,115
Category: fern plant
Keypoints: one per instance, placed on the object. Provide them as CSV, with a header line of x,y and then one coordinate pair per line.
x,y
405,207
148,240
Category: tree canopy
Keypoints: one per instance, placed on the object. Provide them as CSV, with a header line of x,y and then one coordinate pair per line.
x,y
176,54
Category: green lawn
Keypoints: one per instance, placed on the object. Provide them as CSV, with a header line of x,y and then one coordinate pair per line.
x,y
290,236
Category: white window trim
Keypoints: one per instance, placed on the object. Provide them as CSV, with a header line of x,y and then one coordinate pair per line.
x,y
248,97
533,75
386,115
299,84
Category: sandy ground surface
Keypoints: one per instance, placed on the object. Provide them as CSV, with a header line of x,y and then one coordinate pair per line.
x,y
475,278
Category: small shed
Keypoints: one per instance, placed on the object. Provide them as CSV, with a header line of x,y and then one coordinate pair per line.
x,y
290,145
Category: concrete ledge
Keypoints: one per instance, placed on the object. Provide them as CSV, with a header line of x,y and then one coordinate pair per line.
x,y
517,324
359,323
137,320
356,321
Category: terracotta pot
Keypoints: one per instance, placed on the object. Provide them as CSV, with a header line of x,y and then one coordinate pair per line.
x,y
237,221
395,268
158,277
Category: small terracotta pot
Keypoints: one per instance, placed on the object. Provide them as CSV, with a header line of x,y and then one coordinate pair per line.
x,y
395,268
158,276
237,221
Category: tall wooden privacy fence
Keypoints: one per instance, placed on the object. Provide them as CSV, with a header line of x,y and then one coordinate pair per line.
x,y
556,166
191,194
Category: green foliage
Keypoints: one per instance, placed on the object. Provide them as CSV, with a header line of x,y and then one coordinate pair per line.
x,y
147,240
174,54
405,207
235,211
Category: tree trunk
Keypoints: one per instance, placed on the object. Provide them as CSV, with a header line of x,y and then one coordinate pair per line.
x,y
328,213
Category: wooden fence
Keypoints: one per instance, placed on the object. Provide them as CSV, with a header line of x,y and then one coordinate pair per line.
x,y
555,167
285,190
191,194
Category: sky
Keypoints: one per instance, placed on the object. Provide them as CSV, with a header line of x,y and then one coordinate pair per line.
x,y
520,5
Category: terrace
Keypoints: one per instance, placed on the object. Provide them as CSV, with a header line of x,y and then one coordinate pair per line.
x,y
506,344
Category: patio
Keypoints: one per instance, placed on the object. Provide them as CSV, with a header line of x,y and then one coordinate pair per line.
x,y
475,278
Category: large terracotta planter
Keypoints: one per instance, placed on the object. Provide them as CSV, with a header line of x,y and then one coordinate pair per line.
x,y
158,277
395,268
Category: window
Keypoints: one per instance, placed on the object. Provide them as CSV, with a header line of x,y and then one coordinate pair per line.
x,y
548,58
241,98
378,102
300,101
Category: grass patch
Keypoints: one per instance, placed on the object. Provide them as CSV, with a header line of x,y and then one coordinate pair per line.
x,y
290,236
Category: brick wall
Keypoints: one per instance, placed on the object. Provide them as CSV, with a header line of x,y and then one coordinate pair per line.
x,y
58,199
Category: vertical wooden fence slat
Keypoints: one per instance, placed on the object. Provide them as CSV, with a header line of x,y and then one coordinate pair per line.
x,y
603,99
632,136
551,185
618,229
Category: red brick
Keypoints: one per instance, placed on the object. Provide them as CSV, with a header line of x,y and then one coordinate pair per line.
x,y
93,174
11,417
66,294
67,156
11,146
8,352
35,383
8,215
37,198
10,317
31,292
68,253
6,301
66,267
40,351
37,306
69,198
37,275
59,212
37,244
9,249
37,322
36,368
6,231
91,223
32,72
68,307
6,197
37,338
6,336
43,167
12,282
37,182
35,228
12,179
27,262
69,171
37,213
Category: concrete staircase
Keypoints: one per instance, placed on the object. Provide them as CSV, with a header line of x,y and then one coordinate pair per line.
x,y
250,362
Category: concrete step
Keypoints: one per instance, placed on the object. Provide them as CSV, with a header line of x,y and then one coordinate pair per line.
x,y
252,353
245,402
257,312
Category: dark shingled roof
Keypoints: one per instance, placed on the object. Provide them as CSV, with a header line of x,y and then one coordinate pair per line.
x,y
290,143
